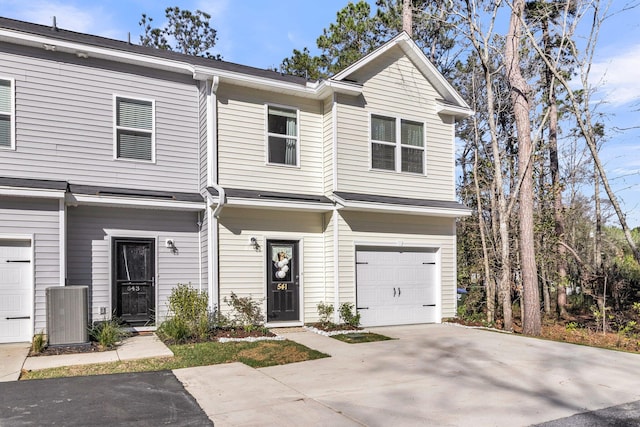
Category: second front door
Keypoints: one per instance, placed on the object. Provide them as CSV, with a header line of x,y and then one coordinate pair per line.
x,y
283,281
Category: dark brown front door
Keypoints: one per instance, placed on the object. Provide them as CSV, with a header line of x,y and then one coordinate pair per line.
x,y
283,280
134,280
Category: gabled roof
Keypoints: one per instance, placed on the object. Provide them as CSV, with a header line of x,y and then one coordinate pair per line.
x,y
452,102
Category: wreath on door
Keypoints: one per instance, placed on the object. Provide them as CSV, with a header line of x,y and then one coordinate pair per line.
x,y
281,265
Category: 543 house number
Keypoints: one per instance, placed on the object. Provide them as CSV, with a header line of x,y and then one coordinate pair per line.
x,y
133,288
281,286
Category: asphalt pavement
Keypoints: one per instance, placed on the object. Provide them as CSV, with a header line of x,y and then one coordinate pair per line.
x,y
143,399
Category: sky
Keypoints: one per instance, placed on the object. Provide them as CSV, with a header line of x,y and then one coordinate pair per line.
x,y
261,33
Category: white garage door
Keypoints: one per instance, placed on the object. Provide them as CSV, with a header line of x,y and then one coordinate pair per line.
x,y
396,287
15,291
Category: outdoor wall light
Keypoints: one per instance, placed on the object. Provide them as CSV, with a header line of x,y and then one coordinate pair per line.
x,y
255,244
171,245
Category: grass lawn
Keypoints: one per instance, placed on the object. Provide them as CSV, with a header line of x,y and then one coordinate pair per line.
x,y
356,338
255,354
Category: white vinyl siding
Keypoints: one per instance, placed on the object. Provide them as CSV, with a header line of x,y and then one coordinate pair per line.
x,y
134,129
394,87
329,267
65,122
282,136
241,142
7,114
328,154
243,268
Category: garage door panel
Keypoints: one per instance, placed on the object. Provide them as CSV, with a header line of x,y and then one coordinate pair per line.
x,y
396,287
15,291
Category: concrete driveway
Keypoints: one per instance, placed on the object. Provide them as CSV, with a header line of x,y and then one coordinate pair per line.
x,y
440,375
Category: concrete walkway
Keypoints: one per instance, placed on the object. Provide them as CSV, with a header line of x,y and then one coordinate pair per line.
x,y
14,356
430,375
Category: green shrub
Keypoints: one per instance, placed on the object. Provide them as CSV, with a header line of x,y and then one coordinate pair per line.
x,y
107,333
246,312
325,312
349,315
572,326
188,314
471,306
39,343
175,329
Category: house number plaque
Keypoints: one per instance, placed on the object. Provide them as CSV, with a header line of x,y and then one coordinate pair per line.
x,y
281,286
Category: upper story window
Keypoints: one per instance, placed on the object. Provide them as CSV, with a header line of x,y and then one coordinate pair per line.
x,y
7,114
397,144
282,136
135,129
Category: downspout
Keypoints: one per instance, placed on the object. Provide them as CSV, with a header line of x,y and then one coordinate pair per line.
x,y
62,249
213,283
336,236
199,224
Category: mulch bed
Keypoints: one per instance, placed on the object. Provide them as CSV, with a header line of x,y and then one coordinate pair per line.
x,y
56,350
334,327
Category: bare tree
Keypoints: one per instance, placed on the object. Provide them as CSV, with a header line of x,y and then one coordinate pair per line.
x,y
482,42
520,92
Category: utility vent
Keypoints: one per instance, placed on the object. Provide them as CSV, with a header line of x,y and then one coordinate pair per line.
x,y
67,315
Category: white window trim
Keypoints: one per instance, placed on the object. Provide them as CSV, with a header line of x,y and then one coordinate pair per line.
x,y
398,145
11,113
116,128
267,134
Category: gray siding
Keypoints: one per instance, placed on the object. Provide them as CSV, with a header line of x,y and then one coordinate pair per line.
x,y
40,218
64,121
88,249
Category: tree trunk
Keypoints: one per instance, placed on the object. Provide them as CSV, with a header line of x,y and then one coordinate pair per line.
x,y
597,235
519,90
407,17
488,281
554,166
499,208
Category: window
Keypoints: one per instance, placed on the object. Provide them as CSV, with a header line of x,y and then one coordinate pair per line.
x,y
134,129
390,136
282,136
6,114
